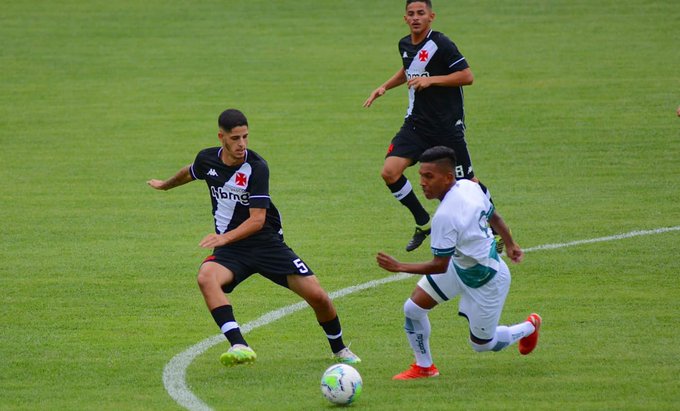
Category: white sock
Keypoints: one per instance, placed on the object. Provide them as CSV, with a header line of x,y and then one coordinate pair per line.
x,y
521,330
417,326
505,336
509,335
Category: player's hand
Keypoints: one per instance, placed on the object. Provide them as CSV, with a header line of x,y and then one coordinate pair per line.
x,y
387,262
514,252
213,240
420,83
157,184
374,95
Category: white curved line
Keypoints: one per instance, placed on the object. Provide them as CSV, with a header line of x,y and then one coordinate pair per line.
x,y
174,373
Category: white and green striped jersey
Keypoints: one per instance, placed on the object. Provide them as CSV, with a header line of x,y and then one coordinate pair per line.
x,y
460,229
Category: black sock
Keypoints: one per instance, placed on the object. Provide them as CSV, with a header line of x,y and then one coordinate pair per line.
x,y
333,333
224,317
402,191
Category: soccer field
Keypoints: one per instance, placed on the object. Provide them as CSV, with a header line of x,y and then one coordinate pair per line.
x,y
571,124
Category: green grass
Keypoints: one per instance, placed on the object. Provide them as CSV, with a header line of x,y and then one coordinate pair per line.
x,y
571,123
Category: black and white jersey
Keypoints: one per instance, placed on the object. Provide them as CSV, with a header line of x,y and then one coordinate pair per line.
x,y
434,110
233,190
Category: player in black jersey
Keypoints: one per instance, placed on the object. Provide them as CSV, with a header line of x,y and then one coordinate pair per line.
x,y
248,238
435,73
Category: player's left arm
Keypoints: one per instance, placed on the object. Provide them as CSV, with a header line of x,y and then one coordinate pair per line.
x,y
459,73
250,226
438,265
456,79
512,249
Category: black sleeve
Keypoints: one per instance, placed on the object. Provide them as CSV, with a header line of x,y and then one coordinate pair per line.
x,y
198,167
453,59
259,186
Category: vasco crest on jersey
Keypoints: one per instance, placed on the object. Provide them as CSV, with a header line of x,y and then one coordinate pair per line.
x,y
241,179
233,190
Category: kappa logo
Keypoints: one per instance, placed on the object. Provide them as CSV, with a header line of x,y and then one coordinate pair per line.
x,y
404,55
212,172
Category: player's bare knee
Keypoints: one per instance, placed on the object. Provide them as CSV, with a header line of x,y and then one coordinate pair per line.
x,y
320,300
205,279
389,175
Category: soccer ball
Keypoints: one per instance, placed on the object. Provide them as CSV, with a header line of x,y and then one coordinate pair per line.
x,y
341,384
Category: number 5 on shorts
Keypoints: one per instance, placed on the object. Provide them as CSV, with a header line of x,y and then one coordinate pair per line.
x,y
302,268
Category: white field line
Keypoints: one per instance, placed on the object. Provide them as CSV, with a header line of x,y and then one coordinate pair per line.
x,y
602,239
174,373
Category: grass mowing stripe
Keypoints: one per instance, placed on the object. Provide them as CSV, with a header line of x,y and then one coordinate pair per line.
x,y
174,373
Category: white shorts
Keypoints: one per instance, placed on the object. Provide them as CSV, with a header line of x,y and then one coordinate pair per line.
x,y
481,306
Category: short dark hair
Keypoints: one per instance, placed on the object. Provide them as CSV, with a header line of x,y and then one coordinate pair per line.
x,y
231,118
441,155
428,3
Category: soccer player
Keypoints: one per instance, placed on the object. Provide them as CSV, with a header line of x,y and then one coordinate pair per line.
x,y
465,264
248,238
435,73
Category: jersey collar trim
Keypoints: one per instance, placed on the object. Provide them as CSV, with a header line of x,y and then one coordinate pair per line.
x,y
219,154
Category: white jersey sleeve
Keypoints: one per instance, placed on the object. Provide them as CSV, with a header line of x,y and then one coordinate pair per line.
x,y
443,236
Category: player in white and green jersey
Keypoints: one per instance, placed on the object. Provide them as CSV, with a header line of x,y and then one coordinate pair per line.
x,y
465,263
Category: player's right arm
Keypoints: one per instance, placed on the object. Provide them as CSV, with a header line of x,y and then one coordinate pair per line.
x,y
438,265
250,226
396,80
182,177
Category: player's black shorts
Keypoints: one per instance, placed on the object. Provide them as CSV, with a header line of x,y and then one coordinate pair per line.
x,y
409,143
272,259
